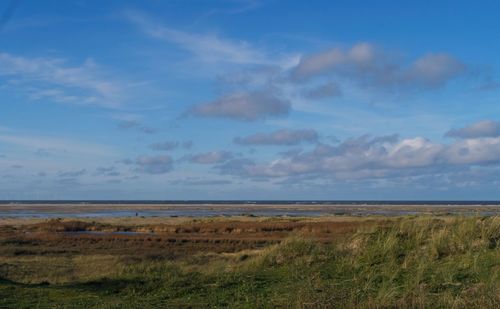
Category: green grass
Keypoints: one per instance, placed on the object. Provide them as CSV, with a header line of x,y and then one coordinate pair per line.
x,y
414,263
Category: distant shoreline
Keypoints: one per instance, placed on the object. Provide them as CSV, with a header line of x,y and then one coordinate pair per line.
x,y
259,202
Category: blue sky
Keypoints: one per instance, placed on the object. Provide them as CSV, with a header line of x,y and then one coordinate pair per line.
x,y
236,99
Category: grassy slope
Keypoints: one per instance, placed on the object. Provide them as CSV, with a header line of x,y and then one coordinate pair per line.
x,y
417,262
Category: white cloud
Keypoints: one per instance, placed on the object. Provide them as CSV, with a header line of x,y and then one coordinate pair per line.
x,y
244,106
434,70
367,65
482,150
385,156
154,164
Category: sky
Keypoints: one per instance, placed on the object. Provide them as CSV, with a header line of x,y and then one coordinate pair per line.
x,y
250,99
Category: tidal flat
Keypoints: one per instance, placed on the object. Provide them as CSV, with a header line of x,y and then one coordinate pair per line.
x,y
33,210
433,259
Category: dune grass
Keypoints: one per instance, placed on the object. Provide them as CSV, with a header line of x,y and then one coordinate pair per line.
x,y
421,262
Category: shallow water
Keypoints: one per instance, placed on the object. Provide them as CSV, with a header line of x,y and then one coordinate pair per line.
x,y
211,212
106,233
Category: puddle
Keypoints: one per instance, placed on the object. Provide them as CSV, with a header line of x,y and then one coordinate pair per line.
x,y
106,233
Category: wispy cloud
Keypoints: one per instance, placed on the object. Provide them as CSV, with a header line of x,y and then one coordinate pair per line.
x,y
328,90
170,145
237,7
210,157
72,174
200,182
133,124
206,47
55,79
55,145
107,171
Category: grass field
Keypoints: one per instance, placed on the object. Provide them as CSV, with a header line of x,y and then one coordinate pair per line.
x,y
328,262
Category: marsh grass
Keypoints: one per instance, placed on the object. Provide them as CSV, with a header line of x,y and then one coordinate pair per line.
x,y
421,262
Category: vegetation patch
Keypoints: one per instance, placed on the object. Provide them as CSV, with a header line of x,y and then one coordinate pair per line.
x,y
417,262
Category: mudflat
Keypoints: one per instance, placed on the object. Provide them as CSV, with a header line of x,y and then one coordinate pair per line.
x,y
110,210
